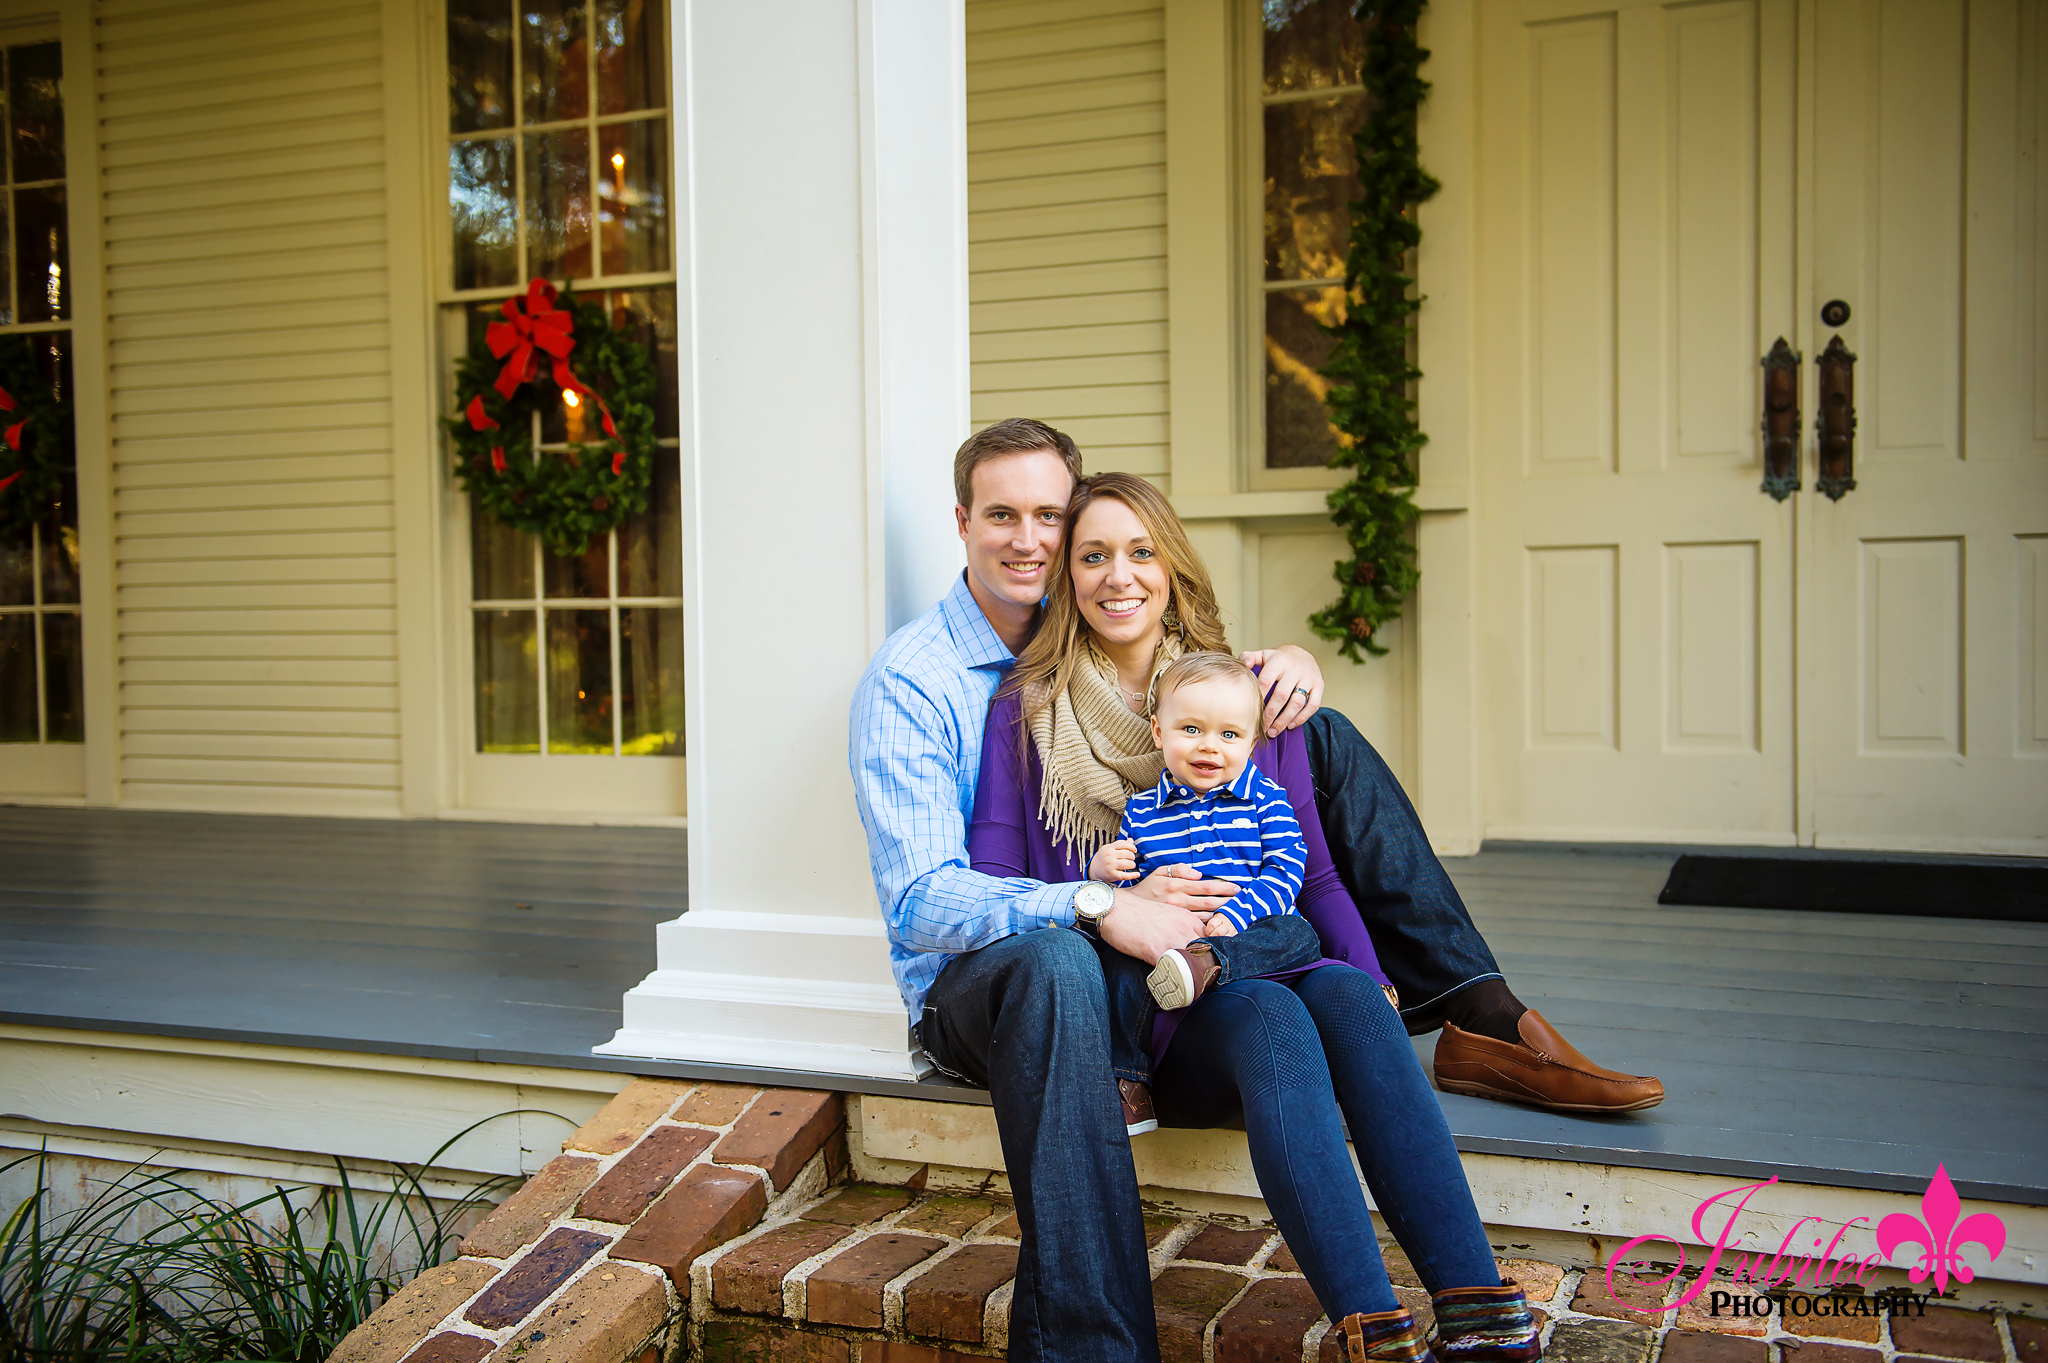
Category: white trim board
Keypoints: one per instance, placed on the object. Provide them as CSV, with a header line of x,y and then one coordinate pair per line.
x,y
1597,1206
286,1105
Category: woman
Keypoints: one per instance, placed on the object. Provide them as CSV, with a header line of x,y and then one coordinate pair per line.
x,y
1068,739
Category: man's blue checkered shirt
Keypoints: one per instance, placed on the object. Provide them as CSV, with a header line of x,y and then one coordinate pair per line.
x,y
915,750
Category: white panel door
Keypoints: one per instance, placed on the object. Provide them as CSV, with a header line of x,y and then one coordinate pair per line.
x,y
1636,257
1665,189
1921,692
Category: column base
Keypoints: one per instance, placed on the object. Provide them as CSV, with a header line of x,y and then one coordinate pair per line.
x,y
777,991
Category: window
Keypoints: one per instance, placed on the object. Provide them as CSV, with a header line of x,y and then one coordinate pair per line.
x,y
604,630
41,682
1310,106
558,163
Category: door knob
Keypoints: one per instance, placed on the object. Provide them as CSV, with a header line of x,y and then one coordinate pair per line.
x,y
1834,312
1836,422
1781,421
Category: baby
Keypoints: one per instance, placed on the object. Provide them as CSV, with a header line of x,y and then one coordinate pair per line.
x,y
1211,810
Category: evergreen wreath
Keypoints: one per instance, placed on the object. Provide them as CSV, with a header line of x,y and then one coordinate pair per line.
x,y
35,432
1369,397
538,356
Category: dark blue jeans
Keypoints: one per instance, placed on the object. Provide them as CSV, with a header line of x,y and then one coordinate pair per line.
x,y
1286,1059
1424,937
1029,1018
1270,945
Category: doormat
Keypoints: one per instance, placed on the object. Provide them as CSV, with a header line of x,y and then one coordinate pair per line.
x,y
2005,892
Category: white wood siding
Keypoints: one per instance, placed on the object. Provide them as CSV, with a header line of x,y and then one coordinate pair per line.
x,y
1066,168
248,350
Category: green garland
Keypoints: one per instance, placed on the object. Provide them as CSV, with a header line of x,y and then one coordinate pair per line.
x,y
1370,368
570,497
35,425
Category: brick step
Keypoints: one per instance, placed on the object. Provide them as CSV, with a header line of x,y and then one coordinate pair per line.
x,y
715,1222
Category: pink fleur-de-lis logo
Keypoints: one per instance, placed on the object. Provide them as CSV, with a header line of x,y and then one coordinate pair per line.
x,y
1940,1235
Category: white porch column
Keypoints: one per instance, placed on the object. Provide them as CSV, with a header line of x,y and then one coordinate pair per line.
x,y
821,237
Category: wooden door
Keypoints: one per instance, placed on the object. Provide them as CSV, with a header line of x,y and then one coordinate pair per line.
x,y
1636,254
1923,690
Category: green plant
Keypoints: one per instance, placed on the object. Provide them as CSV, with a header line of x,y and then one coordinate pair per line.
x,y
542,360
1370,366
153,1271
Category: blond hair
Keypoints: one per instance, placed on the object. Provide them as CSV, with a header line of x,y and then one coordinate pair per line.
x,y
1014,435
1192,668
1049,661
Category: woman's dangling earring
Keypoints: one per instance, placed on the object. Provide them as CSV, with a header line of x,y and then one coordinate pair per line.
x,y
1169,619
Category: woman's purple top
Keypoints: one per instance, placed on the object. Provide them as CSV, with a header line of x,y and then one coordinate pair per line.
x,y
1008,838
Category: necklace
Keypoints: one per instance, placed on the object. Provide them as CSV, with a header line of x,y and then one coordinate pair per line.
x,y
1133,700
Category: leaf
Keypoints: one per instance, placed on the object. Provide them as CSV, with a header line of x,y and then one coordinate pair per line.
x,y
1369,368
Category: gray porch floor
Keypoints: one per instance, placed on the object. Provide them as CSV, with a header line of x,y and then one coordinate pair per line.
x,y
1845,1049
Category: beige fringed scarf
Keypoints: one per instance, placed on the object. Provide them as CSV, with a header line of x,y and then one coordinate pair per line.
x,y
1095,751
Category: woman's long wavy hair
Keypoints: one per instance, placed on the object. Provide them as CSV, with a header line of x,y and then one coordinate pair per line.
x,y
1050,660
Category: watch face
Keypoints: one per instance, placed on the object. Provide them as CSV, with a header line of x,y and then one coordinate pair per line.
x,y
1093,899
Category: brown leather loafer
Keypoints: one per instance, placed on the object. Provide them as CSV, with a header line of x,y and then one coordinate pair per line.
x,y
1545,1070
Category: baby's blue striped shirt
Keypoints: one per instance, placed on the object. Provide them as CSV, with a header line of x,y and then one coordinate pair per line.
x,y
1244,832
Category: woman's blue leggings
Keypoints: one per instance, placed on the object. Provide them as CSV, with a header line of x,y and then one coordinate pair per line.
x,y
1287,1057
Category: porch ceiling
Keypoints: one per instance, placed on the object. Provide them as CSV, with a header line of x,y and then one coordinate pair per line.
x,y
1845,1049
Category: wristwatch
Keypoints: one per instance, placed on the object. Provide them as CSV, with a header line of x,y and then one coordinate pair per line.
x,y
1092,903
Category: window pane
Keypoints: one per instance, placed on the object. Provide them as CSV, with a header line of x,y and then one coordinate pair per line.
x,y
629,56
17,562
500,559
477,318
481,212
53,358
1298,430
17,679
1311,44
507,682
63,678
6,260
42,254
651,543
554,423
1311,181
555,59
651,315
580,681
588,575
651,691
35,105
479,64
59,534
558,204
569,419
633,188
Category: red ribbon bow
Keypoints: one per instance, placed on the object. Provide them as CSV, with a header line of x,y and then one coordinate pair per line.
x,y
542,326
13,435
519,341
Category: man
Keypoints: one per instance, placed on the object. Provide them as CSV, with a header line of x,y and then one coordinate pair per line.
x,y
1026,1010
